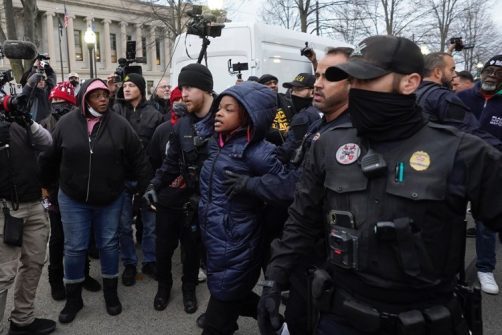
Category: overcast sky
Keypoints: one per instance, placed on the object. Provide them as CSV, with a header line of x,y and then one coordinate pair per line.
x,y
247,10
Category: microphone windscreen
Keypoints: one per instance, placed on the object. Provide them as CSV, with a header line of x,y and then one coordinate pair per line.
x,y
14,49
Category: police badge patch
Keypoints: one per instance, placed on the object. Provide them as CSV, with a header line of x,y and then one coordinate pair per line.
x,y
348,153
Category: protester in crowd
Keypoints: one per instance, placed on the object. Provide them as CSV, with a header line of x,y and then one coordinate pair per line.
x,y
331,98
74,79
302,92
485,101
462,81
160,98
231,226
177,106
62,100
40,80
94,151
440,104
24,228
144,118
180,171
394,248
284,113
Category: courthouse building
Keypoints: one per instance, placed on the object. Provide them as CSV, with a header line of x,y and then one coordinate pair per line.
x,y
114,22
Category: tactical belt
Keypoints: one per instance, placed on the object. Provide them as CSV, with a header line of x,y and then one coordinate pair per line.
x,y
434,320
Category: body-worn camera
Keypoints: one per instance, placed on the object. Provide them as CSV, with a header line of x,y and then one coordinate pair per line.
x,y
459,44
203,25
343,240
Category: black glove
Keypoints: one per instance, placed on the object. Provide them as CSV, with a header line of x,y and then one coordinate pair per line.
x,y
236,183
24,120
4,133
34,79
150,195
269,319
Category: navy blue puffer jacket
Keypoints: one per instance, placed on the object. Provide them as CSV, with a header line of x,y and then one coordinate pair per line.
x,y
231,228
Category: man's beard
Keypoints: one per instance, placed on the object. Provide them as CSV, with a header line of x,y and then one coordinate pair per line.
x,y
488,87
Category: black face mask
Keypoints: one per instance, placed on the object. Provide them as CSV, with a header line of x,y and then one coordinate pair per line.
x,y
300,103
384,116
61,108
74,83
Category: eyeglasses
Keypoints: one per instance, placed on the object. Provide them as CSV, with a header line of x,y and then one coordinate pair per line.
x,y
99,95
492,71
164,86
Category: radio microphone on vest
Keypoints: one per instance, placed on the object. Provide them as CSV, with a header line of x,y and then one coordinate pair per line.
x,y
14,49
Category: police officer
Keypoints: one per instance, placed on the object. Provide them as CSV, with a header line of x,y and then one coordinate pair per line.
x,y
390,195
441,104
180,170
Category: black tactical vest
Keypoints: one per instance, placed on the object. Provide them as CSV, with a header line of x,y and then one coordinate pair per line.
x,y
423,250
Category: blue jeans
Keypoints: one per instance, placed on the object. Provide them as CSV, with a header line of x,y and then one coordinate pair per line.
x,y
79,219
485,248
127,249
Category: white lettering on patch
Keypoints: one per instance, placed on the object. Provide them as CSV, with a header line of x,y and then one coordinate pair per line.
x,y
496,121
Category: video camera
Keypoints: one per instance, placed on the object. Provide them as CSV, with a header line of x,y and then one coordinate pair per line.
x,y
203,25
125,66
306,51
237,68
459,44
11,106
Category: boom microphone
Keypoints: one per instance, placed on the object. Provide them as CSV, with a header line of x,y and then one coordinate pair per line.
x,y
14,49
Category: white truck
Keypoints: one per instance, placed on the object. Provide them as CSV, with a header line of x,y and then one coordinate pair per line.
x,y
265,49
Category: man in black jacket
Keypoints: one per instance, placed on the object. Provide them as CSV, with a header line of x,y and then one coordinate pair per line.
x,y
20,195
144,118
179,176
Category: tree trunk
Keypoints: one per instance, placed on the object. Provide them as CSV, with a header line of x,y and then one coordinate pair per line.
x,y
16,64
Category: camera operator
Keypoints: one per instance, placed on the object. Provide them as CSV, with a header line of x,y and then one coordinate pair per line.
x,y
40,80
144,118
24,227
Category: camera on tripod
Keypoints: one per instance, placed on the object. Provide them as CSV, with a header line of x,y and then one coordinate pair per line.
x,y
125,66
459,44
203,25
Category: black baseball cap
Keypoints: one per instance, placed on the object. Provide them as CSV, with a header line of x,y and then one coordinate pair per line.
x,y
301,80
377,56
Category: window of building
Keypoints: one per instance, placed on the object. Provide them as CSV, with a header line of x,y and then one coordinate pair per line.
x,y
157,51
77,36
98,48
113,46
143,44
129,37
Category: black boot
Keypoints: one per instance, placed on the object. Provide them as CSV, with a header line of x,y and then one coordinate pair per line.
x,y
56,282
73,304
162,297
189,301
113,305
90,284
37,327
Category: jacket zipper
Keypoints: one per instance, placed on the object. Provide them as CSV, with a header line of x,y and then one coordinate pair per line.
x,y
210,186
91,146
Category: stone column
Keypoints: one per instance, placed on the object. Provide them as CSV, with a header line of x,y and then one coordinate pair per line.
x,y
123,39
139,41
167,51
152,55
71,43
50,35
107,54
88,21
